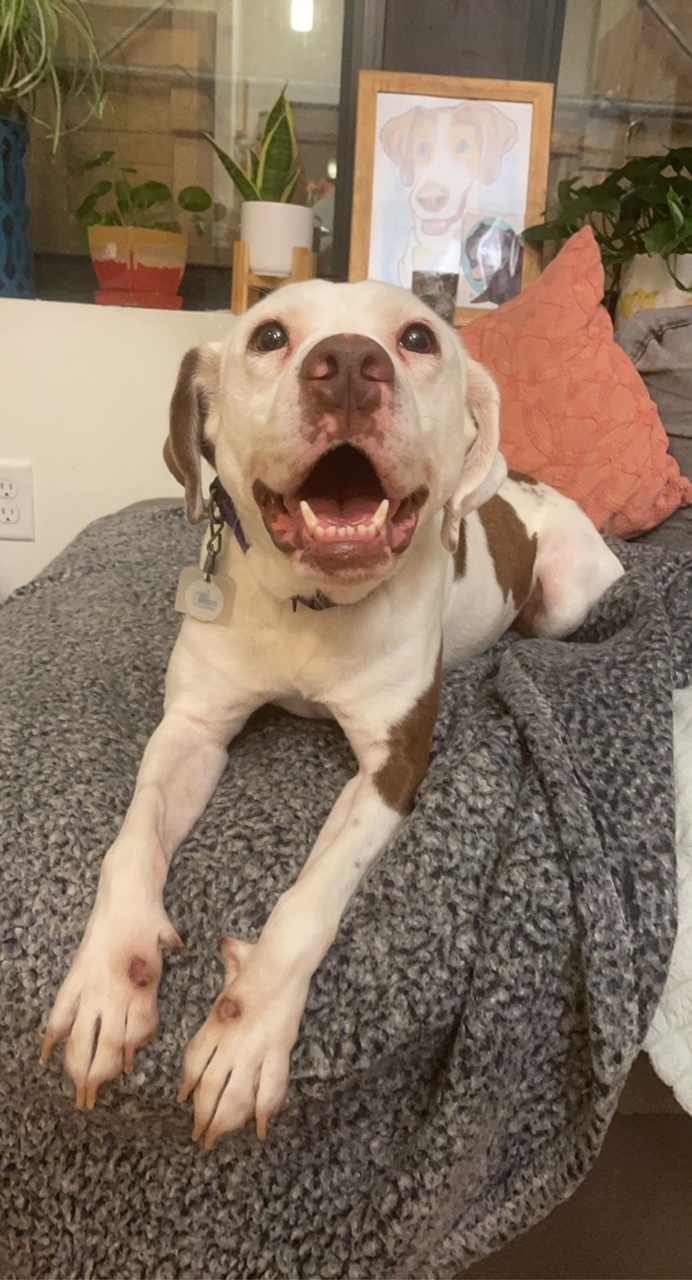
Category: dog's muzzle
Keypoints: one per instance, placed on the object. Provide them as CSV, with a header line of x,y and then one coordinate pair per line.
x,y
341,517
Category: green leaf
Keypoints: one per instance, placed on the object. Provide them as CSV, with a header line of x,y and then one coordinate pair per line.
x,y
165,226
93,219
245,185
194,200
289,190
677,211
86,207
127,168
101,189
276,161
150,193
112,219
277,111
103,157
254,163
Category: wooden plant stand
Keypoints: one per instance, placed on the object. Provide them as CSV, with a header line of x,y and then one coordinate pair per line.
x,y
246,283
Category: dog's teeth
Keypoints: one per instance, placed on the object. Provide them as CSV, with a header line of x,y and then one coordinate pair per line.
x,y
332,531
381,514
371,530
342,531
320,531
349,530
309,517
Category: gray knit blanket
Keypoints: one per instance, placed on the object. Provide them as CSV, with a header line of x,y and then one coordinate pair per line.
x,y
468,1034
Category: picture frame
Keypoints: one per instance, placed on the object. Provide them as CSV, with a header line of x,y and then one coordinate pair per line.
x,y
448,171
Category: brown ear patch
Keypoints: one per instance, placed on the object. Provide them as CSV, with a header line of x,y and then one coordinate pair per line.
x,y
461,553
512,551
190,405
409,742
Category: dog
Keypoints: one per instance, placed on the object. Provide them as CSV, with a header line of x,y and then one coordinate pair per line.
x,y
444,155
371,533
496,257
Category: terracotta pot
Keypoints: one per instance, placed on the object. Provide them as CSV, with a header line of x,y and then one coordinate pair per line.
x,y
137,266
646,282
273,231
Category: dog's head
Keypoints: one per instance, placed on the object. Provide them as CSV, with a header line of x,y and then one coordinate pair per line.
x,y
440,152
341,419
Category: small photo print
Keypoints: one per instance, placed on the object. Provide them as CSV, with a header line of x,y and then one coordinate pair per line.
x,y
492,260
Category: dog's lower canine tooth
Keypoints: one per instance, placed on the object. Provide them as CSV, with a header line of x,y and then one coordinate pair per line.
x,y
309,516
381,514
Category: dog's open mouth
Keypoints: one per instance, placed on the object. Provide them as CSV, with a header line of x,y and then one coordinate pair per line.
x,y
340,516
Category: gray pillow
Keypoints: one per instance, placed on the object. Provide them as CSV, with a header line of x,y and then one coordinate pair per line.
x,y
659,344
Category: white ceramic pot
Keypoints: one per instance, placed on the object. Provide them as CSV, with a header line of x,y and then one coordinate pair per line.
x,y
273,231
646,282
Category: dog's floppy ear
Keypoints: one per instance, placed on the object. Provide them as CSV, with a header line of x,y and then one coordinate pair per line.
x,y
484,468
192,400
397,143
498,135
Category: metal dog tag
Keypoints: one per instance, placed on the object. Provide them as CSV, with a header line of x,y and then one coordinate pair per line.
x,y
210,601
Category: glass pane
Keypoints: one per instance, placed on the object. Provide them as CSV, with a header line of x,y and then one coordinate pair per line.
x,y
625,84
175,71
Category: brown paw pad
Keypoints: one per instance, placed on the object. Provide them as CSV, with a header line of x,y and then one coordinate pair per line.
x,y
228,1008
140,972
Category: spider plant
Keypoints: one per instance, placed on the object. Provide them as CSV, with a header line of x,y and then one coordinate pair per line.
x,y
33,37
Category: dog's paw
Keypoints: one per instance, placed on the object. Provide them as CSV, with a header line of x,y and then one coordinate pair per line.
x,y
107,1007
237,1064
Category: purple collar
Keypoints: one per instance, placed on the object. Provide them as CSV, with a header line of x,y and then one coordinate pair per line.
x,y
226,508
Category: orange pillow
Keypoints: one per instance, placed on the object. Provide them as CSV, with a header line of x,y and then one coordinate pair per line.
x,y
575,412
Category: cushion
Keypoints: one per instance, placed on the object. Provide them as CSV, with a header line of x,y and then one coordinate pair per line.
x,y
575,411
659,344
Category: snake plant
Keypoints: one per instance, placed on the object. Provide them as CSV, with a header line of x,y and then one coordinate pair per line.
x,y
273,170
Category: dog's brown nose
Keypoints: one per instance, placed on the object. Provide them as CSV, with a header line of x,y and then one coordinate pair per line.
x,y
347,371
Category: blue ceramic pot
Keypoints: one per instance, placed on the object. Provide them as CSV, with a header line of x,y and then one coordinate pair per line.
x,y
16,256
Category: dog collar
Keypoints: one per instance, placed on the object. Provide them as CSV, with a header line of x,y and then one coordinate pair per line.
x,y
226,509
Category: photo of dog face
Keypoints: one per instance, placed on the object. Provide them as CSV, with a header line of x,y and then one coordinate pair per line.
x,y
494,255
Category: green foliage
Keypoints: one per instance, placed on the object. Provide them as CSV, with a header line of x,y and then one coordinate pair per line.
x,y
272,172
33,34
645,207
116,202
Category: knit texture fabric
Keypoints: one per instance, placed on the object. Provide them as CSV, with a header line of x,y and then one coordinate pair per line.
x,y
467,1036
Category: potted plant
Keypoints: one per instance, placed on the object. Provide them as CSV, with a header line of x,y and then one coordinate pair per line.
x,y
641,216
272,226
137,245
32,33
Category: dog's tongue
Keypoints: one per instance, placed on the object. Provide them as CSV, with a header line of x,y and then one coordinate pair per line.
x,y
353,511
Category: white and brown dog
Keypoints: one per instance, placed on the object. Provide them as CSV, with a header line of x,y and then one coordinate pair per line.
x,y
358,444
444,156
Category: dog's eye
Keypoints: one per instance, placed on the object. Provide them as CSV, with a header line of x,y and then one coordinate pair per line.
x,y
463,145
423,149
269,337
419,338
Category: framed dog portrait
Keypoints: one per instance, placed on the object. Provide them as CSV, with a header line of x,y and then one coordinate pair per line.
x,y
448,172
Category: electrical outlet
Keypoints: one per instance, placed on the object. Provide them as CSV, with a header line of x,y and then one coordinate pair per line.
x,y
16,500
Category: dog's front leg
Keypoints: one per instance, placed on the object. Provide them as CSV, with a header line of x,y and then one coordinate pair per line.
x,y
238,1062
107,1005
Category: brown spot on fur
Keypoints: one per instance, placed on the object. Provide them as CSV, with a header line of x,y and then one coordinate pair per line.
x,y
228,1009
525,622
521,478
140,972
512,551
409,743
460,553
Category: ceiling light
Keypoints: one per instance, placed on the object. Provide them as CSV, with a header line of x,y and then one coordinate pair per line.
x,y
302,15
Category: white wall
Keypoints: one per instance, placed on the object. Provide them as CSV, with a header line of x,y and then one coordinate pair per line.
x,y
84,394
